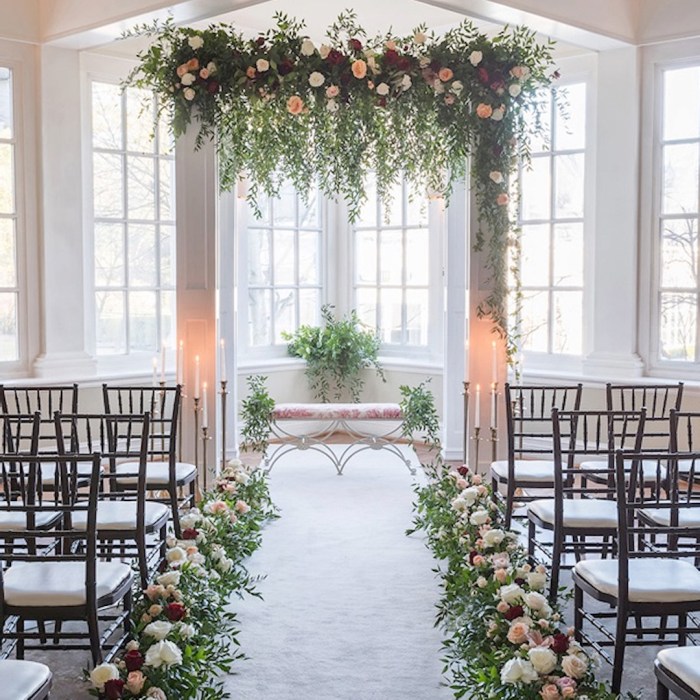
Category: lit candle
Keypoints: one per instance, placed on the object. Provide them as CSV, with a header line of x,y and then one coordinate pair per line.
x,y
494,405
196,377
205,412
494,362
222,359
155,370
477,417
180,361
162,364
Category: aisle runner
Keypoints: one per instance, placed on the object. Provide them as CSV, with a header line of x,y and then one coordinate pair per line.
x,y
349,599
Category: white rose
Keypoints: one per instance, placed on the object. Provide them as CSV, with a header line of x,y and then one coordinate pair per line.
x,y
171,578
482,582
195,42
156,694
211,67
187,79
382,89
518,670
190,520
535,601
543,659
537,581
514,90
163,654
419,38
497,114
492,538
574,666
307,47
511,594
196,558
242,477
457,87
262,64
496,176
225,564
189,94
316,79
324,50
103,673
439,87
459,504
159,629
479,517
406,82
176,554
475,57
470,495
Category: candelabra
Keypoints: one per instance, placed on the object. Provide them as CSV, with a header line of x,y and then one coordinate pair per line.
x,y
465,442
224,396
205,437
477,438
196,431
183,398
494,423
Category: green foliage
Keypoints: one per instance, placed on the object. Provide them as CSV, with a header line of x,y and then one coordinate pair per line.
x,y
335,354
420,105
420,415
256,414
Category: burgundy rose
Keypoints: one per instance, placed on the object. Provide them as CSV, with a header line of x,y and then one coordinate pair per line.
x,y
404,63
391,57
344,78
472,554
382,101
560,643
113,689
190,533
463,470
355,44
213,87
285,67
513,612
260,40
498,86
483,75
175,611
133,660
520,581
335,58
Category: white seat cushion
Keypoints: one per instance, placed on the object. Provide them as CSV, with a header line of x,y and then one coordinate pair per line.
x,y
59,583
121,515
157,473
653,580
19,680
526,470
687,517
683,662
17,521
580,512
48,471
649,467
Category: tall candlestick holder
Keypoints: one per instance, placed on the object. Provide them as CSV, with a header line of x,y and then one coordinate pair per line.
x,y
196,431
205,438
494,424
477,438
465,431
224,397
183,398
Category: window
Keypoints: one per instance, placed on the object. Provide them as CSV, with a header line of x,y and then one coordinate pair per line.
x,y
677,224
9,283
551,217
284,271
392,268
134,222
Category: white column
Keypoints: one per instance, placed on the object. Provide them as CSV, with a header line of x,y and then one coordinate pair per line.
x,y
613,283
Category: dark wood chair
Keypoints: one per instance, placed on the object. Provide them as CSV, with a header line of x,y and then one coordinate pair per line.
x,y
24,680
530,462
678,671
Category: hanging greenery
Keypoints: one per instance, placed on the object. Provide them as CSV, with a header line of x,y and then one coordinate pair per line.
x,y
281,107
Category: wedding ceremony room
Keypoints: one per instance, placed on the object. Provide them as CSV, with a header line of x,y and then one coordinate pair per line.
x,y
350,350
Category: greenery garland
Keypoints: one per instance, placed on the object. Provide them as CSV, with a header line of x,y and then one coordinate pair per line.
x,y
184,635
281,107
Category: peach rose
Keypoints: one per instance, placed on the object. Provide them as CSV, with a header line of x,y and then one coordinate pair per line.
x,y
332,91
218,507
519,72
193,64
550,692
135,681
484,111
181,70
478,560
502,606
295,105
154,591
250,72
204,74
574,666
449,99
476,479
359,69
502,199
501,575
445,74
241,506
518,633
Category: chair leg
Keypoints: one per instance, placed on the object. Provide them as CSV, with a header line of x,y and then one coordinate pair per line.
x,y
619,659
682,624
128,597
662,692
531,533
20,638
510,500
94,632
556,567
175,508
578,614
143,558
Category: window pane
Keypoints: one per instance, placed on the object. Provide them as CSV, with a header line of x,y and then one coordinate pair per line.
x,y
535,256
417,210
167,190
366,306
309,307
542,143
111,324
417,257
309,257
284,257
106,116
679,253
390,256
168,306
5,103
259,320
285,306
536,187
678,326
141,187
284,208
309,214
680,179
417,316
108,192
368,212
9,340
568,173
535,321
392,212
259,264
109,255
264,206
568,255
140,124
142,256
390,316
366,257
167,256
8,254
166,142
681,103
143,323
7,180
568,322
570,127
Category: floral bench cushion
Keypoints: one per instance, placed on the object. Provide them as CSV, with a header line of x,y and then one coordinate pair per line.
x,y
337,411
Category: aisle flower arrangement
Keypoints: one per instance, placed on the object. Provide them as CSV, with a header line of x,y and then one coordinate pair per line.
x,y
282,106
185,637
505,639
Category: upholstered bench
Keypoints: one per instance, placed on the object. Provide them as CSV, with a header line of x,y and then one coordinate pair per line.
x,y
334,417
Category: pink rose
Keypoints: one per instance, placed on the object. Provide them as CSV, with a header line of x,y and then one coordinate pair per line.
x,y
478,560
518,632
501,575
332,91
502,199
461,484
218,507
484,111
154,591
449,99
476,479
242,507
250,72
518,72
234,518
550,692
181,70
135,681
204,74
295,105
502,606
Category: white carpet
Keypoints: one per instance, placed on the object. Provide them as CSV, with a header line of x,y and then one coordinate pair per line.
x,y
349,600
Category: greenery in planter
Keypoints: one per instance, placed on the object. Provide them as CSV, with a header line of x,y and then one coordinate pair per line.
x,y
420,415
256,414
335,354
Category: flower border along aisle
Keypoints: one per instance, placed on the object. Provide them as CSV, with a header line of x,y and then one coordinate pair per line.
x,y
505,639
184,636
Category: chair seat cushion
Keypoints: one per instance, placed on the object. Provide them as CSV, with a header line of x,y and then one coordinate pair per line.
x,y
48,471
15,520
157,473
20,680
526,470
121,515
687,517
649,468
580,512
653,580
60,583
683,662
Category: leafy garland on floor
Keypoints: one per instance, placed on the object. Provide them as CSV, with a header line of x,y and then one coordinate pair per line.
x,y
504,638
185,638
281,107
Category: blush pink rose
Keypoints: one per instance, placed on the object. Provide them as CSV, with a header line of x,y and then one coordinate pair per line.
x,y
518,633
502,199
135,681
295,105
550,692
501,575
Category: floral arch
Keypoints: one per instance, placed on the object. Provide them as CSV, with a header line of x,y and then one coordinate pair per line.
x,y
426,106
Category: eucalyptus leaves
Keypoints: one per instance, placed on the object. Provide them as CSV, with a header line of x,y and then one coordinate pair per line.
x,y
281,107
